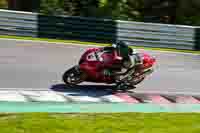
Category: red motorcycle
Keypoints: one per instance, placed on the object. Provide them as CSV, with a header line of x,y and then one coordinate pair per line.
x,y
92,63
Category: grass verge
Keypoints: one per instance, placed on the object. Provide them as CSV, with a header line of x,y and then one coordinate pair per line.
x,y
100,123
93,43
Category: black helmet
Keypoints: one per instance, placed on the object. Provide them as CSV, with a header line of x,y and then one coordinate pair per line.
x,y
121,44
122,48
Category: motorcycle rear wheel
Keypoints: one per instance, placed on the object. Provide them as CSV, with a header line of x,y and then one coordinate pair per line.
x,y
72,76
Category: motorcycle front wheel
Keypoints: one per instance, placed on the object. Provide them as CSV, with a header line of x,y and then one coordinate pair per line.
x,y
138,80
72,76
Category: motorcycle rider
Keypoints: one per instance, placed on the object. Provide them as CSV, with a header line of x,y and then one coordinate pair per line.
x,y
122,53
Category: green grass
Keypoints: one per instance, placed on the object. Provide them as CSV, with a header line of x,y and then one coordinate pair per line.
x,y
100,123
99,44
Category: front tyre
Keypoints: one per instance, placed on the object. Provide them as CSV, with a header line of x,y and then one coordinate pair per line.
x,y
72,76
137,80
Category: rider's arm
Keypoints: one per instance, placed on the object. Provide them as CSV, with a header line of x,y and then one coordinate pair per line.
x,y
116,57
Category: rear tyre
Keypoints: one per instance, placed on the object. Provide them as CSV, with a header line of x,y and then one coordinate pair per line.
x,y
72,76
124,87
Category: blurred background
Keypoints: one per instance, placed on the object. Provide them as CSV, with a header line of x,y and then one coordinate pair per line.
x,y
184,12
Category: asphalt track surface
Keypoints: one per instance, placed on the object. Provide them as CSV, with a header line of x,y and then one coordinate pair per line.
x,y
38,65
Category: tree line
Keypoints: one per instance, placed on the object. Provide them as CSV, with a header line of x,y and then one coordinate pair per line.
x,y
162,11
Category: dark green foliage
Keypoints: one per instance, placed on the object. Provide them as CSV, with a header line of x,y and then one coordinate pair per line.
x,y
162,11
3,4
188,12
52,7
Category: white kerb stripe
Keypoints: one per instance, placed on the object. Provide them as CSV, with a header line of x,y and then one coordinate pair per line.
x,y
43,96
112,98
12,96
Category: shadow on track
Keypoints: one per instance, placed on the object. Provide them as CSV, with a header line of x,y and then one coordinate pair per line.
x,y
84,90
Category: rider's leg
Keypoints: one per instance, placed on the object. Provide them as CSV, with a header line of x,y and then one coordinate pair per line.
x,y
138,59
